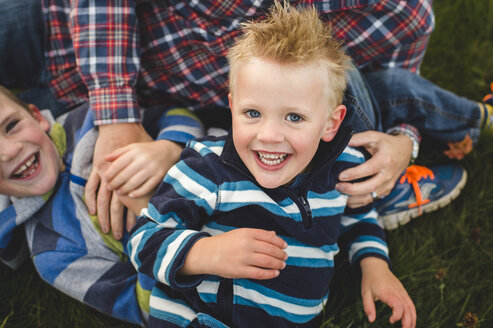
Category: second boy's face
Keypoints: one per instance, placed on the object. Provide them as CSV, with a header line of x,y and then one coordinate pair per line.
x,y
279,114
29,161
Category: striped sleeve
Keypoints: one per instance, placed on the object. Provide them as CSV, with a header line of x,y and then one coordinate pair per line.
x,y
170,225
179,125
361,235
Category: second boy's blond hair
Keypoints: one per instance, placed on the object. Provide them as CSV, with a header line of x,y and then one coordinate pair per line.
x,y
292,36
9,95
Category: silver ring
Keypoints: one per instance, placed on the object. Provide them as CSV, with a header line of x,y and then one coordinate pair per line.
x,y
374,195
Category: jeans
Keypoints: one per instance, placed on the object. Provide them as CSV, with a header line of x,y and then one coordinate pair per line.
x,y
381,99
22,64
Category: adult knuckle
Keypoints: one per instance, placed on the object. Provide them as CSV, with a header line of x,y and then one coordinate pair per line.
x,y
387,159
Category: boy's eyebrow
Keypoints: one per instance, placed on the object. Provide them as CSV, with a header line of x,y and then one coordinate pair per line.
x,y
5,119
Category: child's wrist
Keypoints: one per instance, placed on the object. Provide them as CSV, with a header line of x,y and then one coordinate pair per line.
x,y
197,259
370,263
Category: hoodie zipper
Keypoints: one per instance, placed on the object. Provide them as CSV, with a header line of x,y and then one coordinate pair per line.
x,y
306,214
305,211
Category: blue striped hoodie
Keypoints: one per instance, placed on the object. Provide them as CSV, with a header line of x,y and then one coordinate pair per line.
x,y
210,191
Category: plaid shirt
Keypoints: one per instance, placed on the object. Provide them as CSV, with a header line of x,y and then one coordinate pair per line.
x,y
125,54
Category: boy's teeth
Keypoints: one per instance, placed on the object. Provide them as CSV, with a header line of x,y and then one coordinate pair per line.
x,y
271,159
26,169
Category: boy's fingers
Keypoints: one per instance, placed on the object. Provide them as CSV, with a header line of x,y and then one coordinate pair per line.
x,y
414,314
409,316
270,250
116,153
116,217
148,187
369,305
115,170
260,274
90,191
103,204
133,180
269,237
397,313
131,220
267,262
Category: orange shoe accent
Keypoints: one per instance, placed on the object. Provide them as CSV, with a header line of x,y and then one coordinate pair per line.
x,y
488,97
459,149
413,174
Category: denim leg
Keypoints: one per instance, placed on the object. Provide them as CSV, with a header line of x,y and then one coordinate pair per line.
x,y
22,64
21,43
362,114
404,97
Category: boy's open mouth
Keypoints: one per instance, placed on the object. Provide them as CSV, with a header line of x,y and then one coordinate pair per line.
x,y
271,159
28,168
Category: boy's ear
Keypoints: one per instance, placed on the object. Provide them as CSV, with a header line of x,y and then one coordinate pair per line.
x,y
45,125
230,100
334,122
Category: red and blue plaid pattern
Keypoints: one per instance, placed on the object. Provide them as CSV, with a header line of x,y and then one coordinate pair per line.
x,y
124,54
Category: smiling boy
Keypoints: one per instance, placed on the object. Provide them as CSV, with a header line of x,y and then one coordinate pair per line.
x,y
43,169
29,161
279,121
244,229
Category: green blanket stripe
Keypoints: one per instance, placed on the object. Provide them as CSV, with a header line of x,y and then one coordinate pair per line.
x,y
59,138
108,239
182,112
143,297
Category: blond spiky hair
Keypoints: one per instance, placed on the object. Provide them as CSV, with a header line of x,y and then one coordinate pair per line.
x,y
292,36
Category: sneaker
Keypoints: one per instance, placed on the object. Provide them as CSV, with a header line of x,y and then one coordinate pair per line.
x,y
488,99
487,107
459,149
420,190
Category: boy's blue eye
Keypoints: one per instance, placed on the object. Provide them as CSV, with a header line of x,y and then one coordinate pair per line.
x,y
253,113
11,125
294,117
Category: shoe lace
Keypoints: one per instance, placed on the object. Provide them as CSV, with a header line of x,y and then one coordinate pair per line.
x,y
413,175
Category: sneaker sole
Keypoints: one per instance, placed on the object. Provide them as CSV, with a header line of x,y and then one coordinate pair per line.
x,y
393,221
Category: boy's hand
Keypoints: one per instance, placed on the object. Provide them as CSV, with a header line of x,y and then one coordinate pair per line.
x,y
138,168
379,284
99,199
240,253
390,157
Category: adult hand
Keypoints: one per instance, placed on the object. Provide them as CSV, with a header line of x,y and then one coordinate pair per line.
x,y
99,199
379,283
240,253
390,157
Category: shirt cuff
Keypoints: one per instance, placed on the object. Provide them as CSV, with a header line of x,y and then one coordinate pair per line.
x,y
114,105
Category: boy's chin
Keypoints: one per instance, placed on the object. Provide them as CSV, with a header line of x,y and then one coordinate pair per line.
x,y
270,183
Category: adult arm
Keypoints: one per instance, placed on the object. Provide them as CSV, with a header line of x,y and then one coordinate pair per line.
x,y
106,44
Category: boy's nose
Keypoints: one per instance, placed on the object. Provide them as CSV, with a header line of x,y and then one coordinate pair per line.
x,y
9,150
270,132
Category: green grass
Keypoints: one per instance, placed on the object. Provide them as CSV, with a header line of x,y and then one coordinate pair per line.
x,y
444,259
